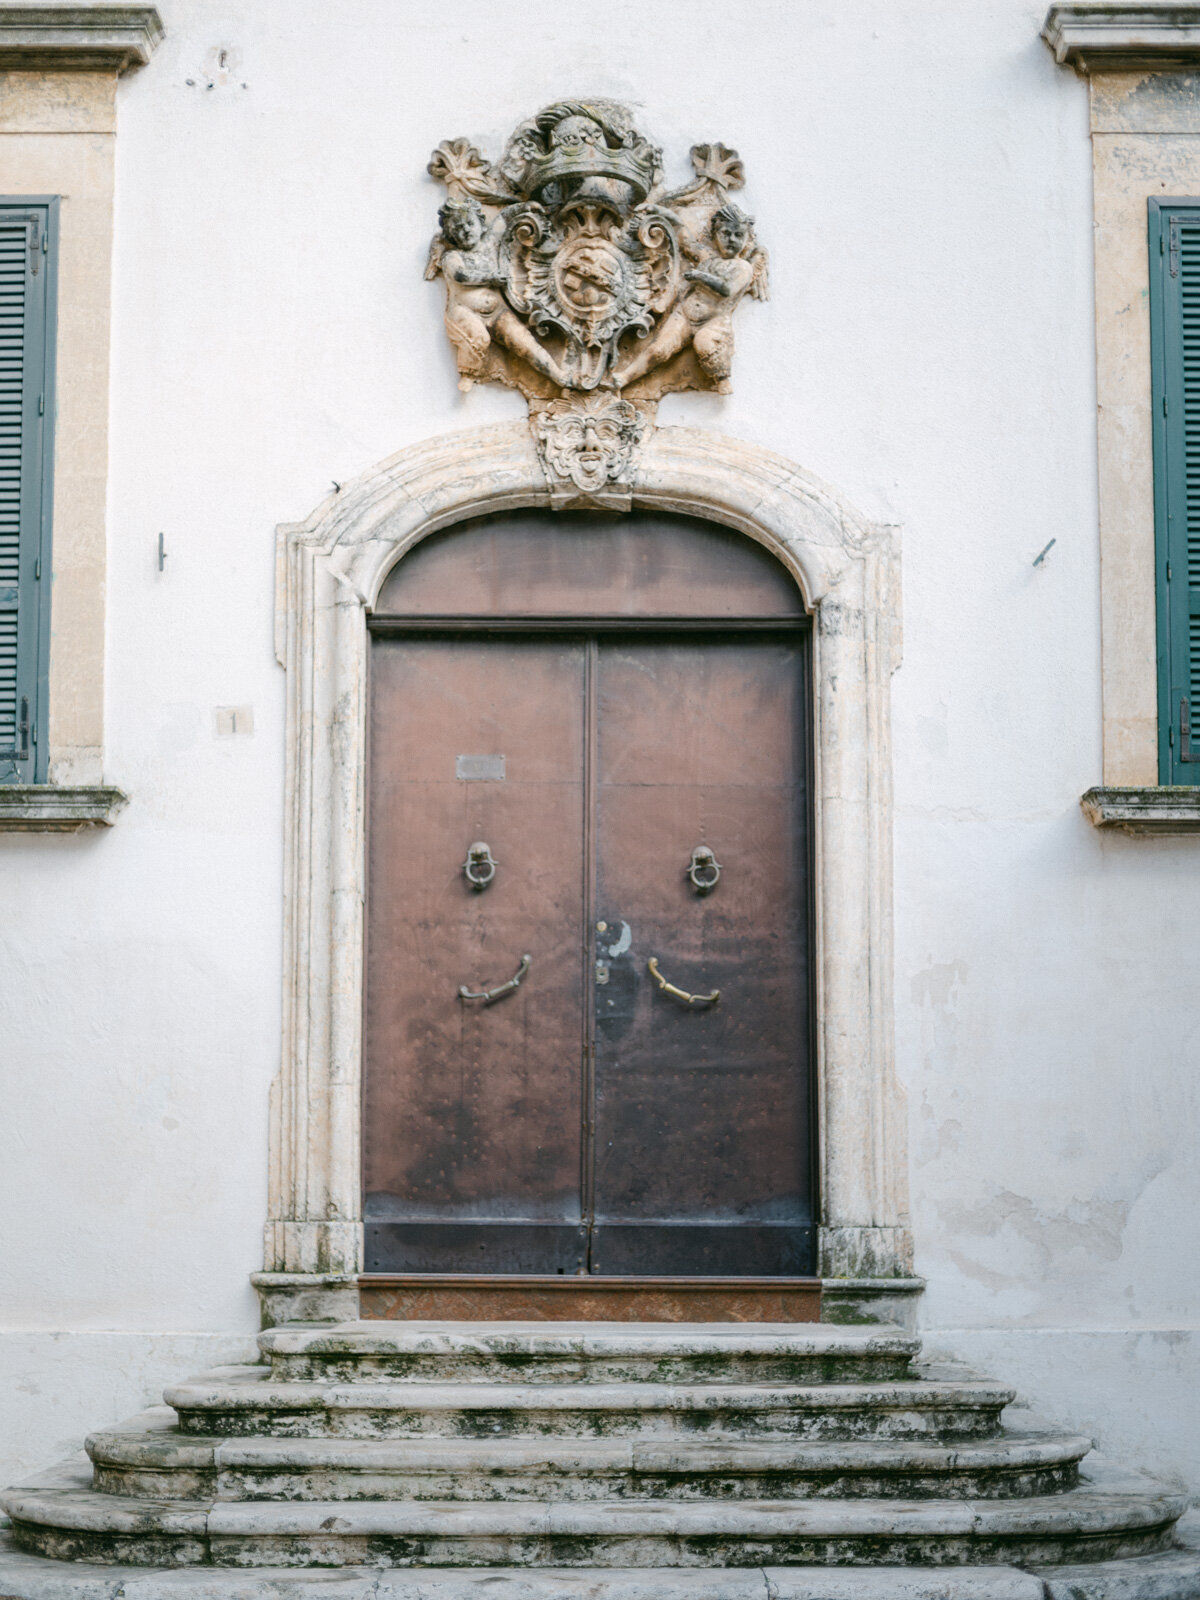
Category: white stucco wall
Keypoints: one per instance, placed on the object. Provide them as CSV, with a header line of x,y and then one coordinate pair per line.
x,y
921,175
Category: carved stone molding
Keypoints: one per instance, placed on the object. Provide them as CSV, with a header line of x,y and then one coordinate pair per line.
x,y
78,38
330,570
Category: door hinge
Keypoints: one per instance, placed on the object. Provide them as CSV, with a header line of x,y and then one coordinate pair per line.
x,y
1164,405
1174,241
23,730
1168,572
37,570
41,405
1185,732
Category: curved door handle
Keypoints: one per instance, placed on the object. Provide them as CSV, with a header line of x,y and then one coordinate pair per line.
x,y
681,994
487,995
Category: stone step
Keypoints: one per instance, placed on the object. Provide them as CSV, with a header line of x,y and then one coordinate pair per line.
x,y
1172,1575
30,1577
64,1518
588,1352
149,1457
244,1402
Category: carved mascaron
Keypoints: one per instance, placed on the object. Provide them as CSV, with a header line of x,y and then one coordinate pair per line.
x,y
569,268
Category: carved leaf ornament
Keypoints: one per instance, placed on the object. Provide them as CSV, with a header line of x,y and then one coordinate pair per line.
x,y
573,275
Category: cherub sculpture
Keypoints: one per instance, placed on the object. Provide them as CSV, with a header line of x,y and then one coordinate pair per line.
x,y
703,315
466,254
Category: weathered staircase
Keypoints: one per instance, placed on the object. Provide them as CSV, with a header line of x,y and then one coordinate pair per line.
x,y
605,1460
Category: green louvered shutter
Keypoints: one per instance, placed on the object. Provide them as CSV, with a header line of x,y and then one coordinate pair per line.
x,y
25,415
1175,361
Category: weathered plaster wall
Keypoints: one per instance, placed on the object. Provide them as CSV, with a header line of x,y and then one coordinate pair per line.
x,y
922,176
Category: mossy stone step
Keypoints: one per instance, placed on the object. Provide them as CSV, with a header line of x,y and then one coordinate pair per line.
x,y
246,1402
150,1457
588,1352
64,1518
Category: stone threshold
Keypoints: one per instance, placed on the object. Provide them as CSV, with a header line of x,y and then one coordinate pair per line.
x,y
346,1297
455,1296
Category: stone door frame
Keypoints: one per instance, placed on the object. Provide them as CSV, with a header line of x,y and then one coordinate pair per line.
x,y
329,571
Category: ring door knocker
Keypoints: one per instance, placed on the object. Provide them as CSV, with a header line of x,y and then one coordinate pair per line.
x,y
488,995
704,870
479,866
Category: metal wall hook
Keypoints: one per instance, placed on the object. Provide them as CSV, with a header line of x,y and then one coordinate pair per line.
x,y
479,866
704,869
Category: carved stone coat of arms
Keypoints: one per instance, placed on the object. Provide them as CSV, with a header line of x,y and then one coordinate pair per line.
x,y
573,275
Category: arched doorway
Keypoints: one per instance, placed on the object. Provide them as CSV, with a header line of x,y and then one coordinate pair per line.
x,y
588,1040
330,570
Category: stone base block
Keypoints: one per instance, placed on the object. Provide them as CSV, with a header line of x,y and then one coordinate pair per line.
x,y
850,1300
305,1297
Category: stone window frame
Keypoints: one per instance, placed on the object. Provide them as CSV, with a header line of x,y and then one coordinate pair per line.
x,y
1141,63
329,571
59,66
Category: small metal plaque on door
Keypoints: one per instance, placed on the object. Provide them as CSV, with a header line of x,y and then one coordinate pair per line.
x,y
475,768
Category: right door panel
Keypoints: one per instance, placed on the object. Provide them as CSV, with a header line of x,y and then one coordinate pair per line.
x,y
702,1161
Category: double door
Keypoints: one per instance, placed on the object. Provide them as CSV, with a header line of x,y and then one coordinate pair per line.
x,y
587,1018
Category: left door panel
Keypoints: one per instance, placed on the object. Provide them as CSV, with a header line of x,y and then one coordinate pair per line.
x,y
473,1110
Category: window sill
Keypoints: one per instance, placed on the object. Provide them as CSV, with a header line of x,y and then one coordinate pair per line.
x,y
41,808
1167,809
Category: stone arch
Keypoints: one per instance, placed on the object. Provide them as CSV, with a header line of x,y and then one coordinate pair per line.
x,y
330,569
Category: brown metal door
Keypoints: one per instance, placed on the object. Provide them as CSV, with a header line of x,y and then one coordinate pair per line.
x,y
592,697
701,1158
472,1137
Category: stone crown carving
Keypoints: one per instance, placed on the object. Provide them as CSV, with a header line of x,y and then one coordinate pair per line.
x,y
569,268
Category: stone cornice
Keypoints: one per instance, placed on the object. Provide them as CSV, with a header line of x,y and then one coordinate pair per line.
x,y
1115,36
77,38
